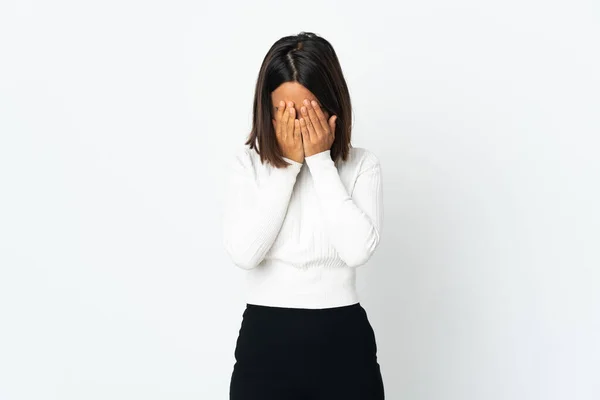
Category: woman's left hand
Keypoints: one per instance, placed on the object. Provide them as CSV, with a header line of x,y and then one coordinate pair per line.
x,y
318,133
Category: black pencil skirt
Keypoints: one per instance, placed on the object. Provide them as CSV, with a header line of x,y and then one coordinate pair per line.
x,y
306,354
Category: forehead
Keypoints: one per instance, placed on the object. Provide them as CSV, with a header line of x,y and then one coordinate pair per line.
x,y
291,91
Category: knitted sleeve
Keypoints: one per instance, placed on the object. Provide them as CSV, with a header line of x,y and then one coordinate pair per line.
x,y
253,211
353,221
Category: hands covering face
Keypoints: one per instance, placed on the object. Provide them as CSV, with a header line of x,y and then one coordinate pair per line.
x,y
311,134
318,132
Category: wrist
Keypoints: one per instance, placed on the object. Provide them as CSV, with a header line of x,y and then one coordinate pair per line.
x,y
293,162
319,158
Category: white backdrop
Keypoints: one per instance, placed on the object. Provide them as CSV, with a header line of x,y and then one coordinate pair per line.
x,y
117,121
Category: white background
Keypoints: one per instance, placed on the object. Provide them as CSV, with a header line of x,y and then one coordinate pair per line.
x,y
117,122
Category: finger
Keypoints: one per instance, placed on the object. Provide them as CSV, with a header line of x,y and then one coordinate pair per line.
x,y
310,121
332,122
280,109
284,121
297,131
320,116
291,119
307,122
304,130
278,117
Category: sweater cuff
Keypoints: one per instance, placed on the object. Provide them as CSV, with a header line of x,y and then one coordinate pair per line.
x,y
319,160
292,161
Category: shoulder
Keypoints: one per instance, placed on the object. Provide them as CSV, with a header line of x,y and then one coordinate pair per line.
x,y
243,157
363,159
243,151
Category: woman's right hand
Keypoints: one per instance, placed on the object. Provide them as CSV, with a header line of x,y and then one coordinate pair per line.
x,y
287,132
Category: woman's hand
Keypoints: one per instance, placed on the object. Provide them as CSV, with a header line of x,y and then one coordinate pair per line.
x,y
287,132
318,133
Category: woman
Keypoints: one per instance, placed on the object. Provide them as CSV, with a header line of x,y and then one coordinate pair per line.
x,y
303,210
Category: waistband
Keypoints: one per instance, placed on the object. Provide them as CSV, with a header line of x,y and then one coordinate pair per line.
x,y
261,307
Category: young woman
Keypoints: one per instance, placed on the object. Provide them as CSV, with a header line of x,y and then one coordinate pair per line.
x,y
303,210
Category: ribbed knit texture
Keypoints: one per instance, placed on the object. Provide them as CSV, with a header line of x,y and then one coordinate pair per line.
x,y
301,231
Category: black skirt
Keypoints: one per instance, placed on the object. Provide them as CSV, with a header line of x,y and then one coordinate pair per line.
x,y
296,353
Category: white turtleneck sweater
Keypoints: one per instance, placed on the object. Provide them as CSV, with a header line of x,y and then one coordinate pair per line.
x,y
302,230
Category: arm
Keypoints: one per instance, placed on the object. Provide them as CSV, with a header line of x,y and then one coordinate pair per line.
x,y
354,222
253,213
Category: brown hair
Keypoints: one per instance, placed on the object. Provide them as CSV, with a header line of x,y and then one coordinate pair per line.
x,y
311,61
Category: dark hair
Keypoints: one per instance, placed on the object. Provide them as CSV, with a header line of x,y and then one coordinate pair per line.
x,y
311,61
